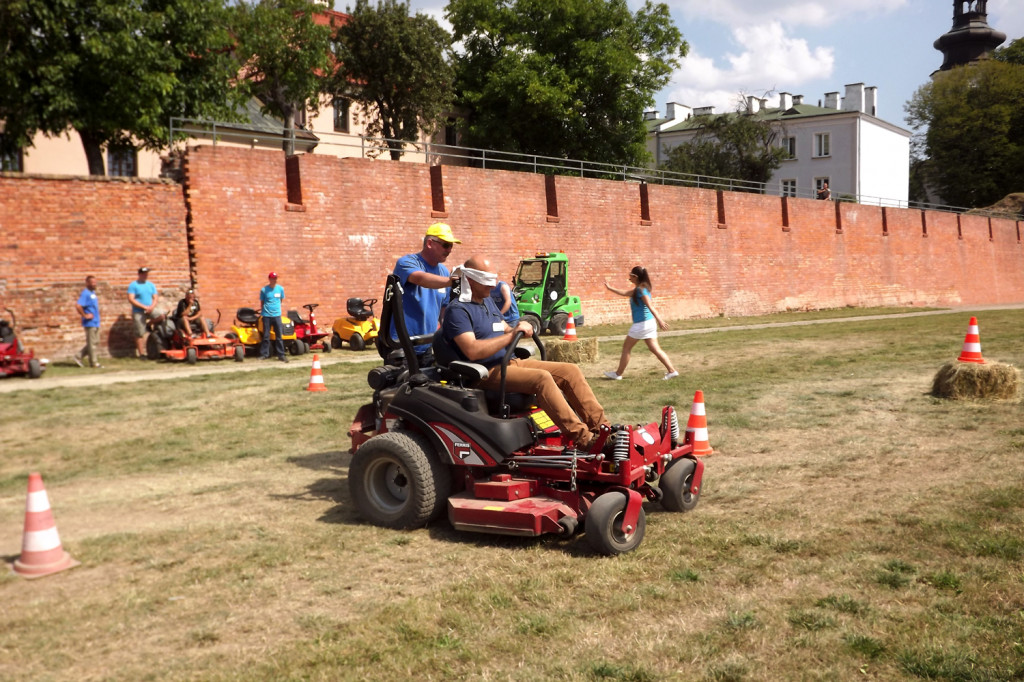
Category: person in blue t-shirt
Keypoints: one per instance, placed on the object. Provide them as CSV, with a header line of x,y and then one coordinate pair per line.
x,y
271,298
646,322
506,302
475,331
143,296
88,307
425,281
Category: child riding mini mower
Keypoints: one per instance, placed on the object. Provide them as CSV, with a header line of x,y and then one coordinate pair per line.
x,y
167,340
307,331
247,329
14,359
360,327
432,440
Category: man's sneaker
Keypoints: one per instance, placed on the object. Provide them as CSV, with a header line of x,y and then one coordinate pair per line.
x,y
670,375
97,366
283,359
77,360
613,376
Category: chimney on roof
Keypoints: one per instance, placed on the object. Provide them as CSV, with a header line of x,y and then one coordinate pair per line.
x,y
753,104
831,100
798,100
871,100
651,115
785,101
678,112
854,99
704,111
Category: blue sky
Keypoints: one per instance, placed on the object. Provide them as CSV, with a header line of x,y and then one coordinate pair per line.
x,y
805,47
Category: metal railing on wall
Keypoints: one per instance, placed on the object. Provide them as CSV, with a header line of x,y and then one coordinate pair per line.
x,y
364,146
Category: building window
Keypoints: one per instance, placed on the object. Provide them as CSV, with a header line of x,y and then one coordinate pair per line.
x,y
789,188
11,162
341,115
122,162
789,144
822,144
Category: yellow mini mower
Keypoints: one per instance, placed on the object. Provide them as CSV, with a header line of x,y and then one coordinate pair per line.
x,y
248,327
359,328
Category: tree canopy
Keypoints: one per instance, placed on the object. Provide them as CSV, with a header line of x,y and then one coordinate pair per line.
x,y
562,78
398,67
970,132
738,145
1012,53
113,70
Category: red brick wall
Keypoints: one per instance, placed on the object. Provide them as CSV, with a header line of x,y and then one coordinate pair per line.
x,y
358,216
54,231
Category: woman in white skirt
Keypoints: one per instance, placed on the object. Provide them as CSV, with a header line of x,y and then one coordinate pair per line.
x,y
646,321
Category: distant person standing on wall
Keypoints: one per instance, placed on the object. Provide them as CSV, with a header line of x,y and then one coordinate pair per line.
x,y
88,306
142,295
271,298
824,192
646,321
506,302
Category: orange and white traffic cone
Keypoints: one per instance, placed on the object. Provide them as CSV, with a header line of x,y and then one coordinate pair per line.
x,y
697,427
41,551
570,329
316,376
972,344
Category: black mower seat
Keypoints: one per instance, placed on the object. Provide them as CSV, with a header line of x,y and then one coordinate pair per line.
x,y
470,374
357,309
247,316
294,316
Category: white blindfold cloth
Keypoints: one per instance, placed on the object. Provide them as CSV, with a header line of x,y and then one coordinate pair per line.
x,y
488,279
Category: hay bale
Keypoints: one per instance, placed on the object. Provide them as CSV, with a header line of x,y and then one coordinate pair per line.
x,y
576,352
973,381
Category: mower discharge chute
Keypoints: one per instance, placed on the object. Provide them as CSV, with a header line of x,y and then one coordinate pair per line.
x,y
432,441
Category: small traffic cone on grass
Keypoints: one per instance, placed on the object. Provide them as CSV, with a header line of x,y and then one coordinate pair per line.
x,y
41,551
570,329
972,344
697,427
316,376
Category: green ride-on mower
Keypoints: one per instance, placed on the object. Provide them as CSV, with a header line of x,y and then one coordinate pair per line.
x,y
541,288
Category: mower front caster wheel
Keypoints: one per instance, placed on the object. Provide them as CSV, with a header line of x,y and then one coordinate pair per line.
x,y
35,369
675,484
191,356
396,481
604,526
239,353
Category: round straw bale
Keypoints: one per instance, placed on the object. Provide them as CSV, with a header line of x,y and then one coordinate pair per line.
x,y
973,381
576,352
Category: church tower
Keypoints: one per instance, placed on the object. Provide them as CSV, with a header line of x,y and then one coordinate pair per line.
x,y
971,39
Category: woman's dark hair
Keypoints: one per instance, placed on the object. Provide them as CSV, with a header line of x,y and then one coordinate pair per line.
x,y
642,280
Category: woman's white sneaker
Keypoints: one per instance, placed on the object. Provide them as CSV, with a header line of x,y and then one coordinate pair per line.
x,y
613,376
670,375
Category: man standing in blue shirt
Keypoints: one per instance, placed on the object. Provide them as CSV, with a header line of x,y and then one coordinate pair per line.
x,y
424,280
88,307
142,295
271,297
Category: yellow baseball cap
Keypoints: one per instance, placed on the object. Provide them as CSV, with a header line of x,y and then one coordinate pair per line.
x,y
442,232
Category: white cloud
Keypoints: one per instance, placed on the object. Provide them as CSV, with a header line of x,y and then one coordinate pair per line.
x,y
788,12
767,59
1002,18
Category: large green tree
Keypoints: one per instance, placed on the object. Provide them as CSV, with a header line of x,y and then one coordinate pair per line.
x,y
285,56
970,132
1012,53
113,70
562,78
740,146
397,67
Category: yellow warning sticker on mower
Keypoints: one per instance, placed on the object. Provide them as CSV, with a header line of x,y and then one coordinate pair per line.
x,y
542,420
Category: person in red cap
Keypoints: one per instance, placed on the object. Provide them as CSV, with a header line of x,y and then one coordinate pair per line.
x,y
271,298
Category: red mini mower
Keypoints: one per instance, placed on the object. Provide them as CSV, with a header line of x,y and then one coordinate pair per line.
x,y
431,440
306,330
14,359
166,340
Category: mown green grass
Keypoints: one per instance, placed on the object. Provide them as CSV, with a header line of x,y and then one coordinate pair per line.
x,y
850,526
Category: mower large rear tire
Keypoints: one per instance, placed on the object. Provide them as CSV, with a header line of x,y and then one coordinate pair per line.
x,y
35,369
336,340
356,342
675,484
396,481
154,344
296,347
604,526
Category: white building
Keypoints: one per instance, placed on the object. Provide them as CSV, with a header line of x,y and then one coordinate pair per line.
x,y
839,141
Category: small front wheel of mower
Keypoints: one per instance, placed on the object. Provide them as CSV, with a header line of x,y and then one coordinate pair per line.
x,y
191,356
35,369
326,345
336,340
604,525
569,525
558,323
239,353
396,481
357,342
675,483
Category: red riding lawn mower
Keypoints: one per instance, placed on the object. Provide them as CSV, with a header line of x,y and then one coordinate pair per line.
x,y
14,359
307,331
431,440
167,340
